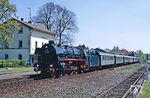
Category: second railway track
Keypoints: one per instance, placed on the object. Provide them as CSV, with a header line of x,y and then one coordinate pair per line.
x,y
123,89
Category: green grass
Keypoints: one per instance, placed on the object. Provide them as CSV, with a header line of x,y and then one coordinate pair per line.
x,y
146,90
130,68
15,70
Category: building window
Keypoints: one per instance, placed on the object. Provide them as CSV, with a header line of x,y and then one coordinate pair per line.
x,y
36,44
21,30
20,43
6,56
20,56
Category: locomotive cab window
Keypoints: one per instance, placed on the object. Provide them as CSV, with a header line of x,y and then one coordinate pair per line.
x,y
36,44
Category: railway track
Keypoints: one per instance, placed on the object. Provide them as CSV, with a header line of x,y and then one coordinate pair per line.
x,y
125,88
10,87
27,78
7,82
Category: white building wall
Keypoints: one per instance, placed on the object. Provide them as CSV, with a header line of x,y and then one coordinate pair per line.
x,y
40,38
24,37
28,38
13,51
13,54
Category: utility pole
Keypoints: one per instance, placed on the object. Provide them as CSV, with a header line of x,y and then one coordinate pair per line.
x,y
29,13
147,57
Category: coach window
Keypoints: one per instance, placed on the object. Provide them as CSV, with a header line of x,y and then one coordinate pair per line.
x,y
117,58
103,57
36,44
111,58
20,56
6,56
108,57
20,43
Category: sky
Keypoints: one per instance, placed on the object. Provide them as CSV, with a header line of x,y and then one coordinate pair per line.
x,y
103,23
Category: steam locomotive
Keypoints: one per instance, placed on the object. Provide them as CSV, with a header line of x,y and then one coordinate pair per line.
x,y
56,60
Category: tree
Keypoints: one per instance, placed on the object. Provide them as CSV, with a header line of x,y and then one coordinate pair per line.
x,y
59,20
6,10
115,49
141,55
66,22
108,50
7,30
45,15
7,25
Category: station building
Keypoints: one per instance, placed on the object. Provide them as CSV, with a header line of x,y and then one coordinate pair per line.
x,y
25,41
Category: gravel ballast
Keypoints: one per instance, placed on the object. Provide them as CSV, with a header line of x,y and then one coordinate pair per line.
x,y
84,85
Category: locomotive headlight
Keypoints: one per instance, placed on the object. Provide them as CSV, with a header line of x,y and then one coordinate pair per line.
x,y
37,65
51,65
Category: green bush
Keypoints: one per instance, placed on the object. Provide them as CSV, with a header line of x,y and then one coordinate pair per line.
x,y
12,63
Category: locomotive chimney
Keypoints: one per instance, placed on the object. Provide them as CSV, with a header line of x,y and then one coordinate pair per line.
x,y
29,22
21,19
51,42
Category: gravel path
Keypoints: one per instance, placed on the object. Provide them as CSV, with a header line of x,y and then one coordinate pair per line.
x,y
84,85
15,75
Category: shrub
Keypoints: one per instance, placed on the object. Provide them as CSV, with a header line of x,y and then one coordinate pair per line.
x,y
12,63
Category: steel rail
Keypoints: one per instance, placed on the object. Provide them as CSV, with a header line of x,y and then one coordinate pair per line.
x,y
127,93
108,91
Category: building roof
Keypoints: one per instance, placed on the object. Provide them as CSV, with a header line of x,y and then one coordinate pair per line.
x,y
35,27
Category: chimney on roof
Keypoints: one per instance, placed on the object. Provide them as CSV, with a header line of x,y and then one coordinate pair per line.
x,y
29,22
21,19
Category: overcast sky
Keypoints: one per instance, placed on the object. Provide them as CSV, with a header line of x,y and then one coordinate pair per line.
x,y
103,23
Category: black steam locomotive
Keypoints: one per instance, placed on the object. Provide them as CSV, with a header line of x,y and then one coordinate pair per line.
x,y
58,60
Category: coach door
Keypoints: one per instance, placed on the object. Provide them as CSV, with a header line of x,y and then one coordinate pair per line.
x,y
93,59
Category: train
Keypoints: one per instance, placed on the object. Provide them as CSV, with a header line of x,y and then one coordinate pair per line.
x,y
57,60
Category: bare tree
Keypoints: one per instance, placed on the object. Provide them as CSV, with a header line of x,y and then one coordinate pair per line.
x,y
59,20
45,15
65,22
67,39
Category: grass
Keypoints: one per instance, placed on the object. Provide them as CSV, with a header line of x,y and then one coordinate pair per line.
x,y
130,68
15,70
146,90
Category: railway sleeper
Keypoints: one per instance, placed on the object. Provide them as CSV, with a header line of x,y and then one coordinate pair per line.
x,y
115,96
124,85
120,91
130,81
136,76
